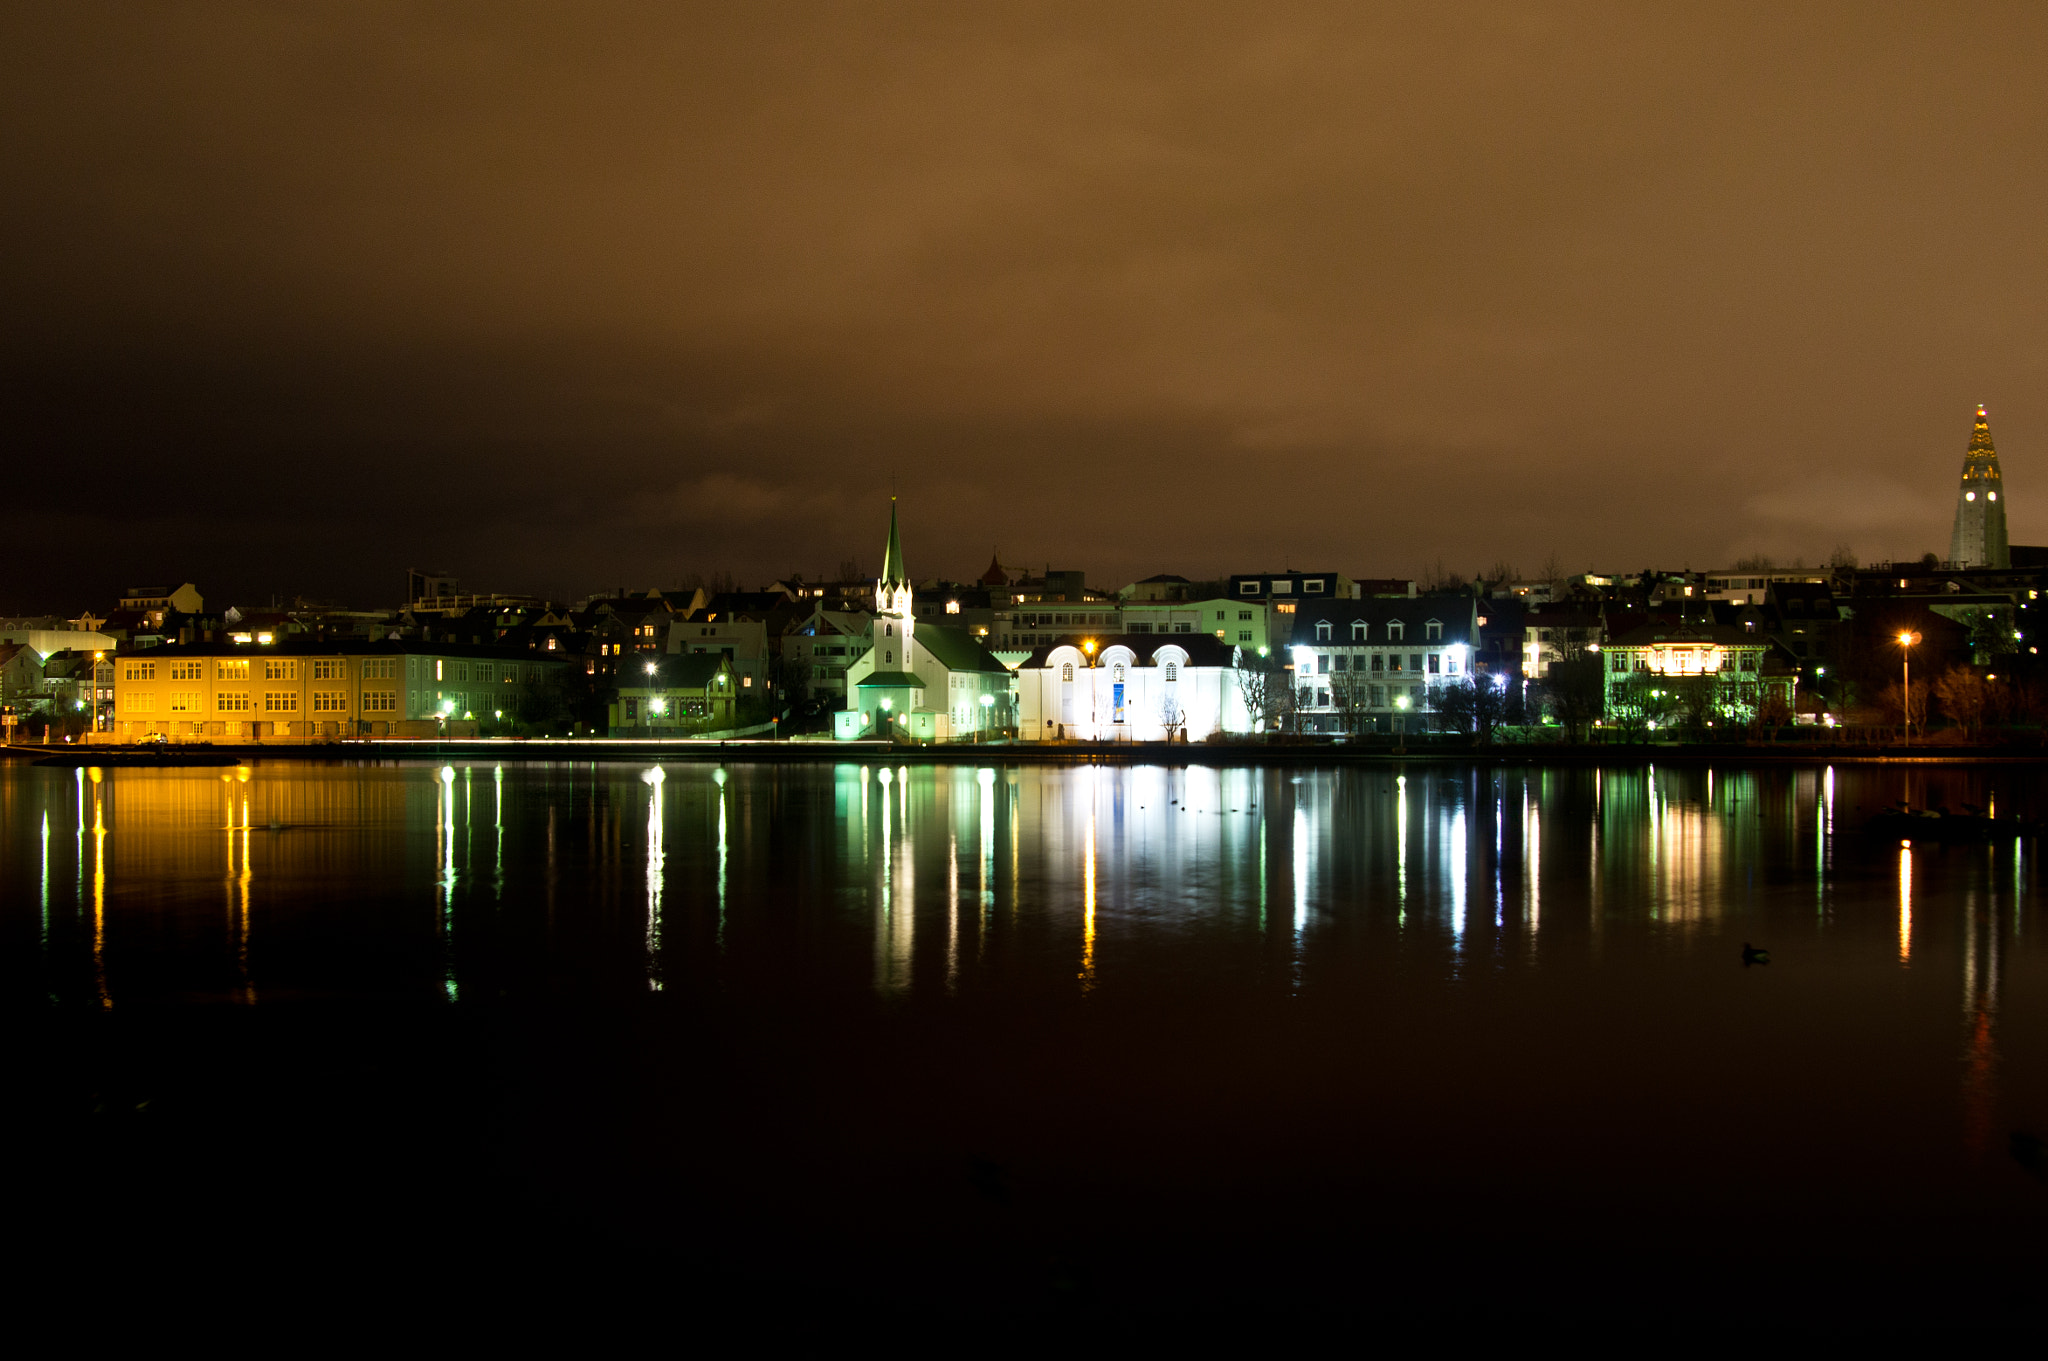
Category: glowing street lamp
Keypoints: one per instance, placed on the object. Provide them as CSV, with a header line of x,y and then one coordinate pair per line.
x,y
1906,640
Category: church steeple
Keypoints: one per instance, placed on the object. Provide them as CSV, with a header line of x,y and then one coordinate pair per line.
x,y
1979,536
892,589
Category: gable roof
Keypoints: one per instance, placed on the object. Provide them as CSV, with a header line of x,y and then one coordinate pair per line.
x,y
956,649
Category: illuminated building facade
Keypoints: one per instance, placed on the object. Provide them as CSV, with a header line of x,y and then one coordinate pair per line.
x,y
1359,665
1130,687
316,690
1978,539
1693,674
673,697
921,681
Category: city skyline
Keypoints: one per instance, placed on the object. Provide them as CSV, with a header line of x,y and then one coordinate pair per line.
x,y
303,298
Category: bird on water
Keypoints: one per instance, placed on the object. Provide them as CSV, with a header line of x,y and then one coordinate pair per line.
x,y
1752,954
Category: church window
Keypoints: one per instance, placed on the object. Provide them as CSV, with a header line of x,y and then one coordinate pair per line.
x,y
1066,671
1172,670
888,657
889,630
1117,674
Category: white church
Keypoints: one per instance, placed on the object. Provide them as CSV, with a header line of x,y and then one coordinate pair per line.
x,y
921,682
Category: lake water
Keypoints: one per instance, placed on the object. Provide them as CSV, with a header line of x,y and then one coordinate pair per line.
x,y
1038,1045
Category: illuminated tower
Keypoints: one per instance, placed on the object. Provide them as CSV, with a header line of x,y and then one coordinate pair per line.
x,y
1979,537
892,591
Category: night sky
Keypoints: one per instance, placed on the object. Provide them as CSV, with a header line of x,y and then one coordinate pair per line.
x,y
561,298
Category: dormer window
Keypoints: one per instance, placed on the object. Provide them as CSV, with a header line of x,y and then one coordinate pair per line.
x,y
1433,631
1394,630
1314,586
1247,588
1358,630
1322,630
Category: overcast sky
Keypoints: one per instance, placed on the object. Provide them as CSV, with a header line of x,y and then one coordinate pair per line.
x,y
565,297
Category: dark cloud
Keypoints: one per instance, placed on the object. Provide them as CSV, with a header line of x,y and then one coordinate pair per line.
x,y
568,297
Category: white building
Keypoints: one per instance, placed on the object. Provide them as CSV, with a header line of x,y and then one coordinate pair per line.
x,y
921,681
1134,688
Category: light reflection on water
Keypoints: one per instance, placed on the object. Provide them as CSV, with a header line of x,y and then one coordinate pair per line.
x,y
949,881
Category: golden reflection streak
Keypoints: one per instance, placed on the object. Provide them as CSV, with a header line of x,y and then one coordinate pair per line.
x,y
1087,974
1905,901
99,889
1980,1013
242,917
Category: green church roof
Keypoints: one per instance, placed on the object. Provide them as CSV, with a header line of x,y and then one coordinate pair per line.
x,y
891,680
956,649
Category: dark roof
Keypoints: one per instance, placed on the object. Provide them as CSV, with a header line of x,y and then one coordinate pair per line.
x,y
690,670
1201,649
956,649
1455,612
891,680
1164,577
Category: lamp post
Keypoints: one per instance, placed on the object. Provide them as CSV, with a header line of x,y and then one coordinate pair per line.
x,y
1088,647
1906,640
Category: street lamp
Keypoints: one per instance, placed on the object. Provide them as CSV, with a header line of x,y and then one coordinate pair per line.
x,y
1906,640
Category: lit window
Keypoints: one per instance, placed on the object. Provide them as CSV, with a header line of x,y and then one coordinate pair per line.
x,y
1172,671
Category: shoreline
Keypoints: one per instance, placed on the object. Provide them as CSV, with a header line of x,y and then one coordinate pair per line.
x,y
594,750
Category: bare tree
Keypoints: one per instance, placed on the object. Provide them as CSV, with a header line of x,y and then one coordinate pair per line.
x,y
1263,687
1964,698
1574,687
1893,703
1348,697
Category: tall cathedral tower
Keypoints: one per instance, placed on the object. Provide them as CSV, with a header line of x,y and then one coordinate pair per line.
x,y
1979,537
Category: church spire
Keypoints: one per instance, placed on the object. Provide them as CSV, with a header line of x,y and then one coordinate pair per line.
x,y
1978,539
892,590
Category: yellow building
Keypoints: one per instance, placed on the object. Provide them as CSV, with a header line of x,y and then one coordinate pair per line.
x,y
309,689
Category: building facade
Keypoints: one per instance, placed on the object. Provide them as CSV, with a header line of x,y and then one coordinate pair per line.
x,y
1130,687
320,690
1374,664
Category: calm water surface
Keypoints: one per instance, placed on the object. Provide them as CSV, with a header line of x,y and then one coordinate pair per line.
x,y
1117,1042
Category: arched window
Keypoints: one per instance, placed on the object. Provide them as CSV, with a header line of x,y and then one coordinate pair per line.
x,y
1173,670
1322,630
1066,671
1117,675
889,629
888,657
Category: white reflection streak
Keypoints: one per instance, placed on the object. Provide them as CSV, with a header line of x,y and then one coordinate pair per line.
x,y
656,858
1456,868
1905,901
78,850
1401,848
952,909
447,833
46,880
718,777
498,823
1300,876
987,780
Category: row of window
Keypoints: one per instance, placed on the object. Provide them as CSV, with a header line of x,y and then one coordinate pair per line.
x,y
1434,663
1370,696
1116,672
1432,631
1640,661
